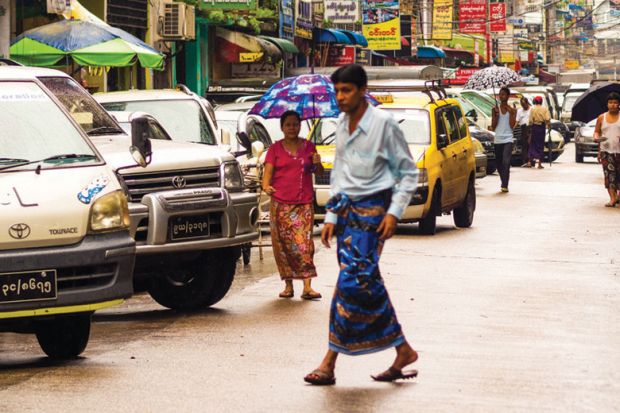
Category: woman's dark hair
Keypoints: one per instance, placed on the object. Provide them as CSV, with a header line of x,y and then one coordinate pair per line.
x,y
613,96
350,74
287,114
505,89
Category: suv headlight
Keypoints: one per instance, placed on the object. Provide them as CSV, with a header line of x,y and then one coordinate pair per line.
x,y
109,213
232,178
422,177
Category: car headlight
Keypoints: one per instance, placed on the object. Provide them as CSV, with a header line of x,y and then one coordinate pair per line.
x,y
232,178
422,176
109,213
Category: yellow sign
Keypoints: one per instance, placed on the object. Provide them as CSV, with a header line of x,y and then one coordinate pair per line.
x,y
383,36
571,64
506,56
442,20
387,98
249,57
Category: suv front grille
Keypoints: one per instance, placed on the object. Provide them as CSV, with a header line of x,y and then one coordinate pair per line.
x,y
141,184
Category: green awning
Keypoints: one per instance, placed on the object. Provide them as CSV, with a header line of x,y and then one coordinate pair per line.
x,y
285,45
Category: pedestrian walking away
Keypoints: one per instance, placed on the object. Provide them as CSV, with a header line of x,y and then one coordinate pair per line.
x,y
287,178
373,180
503,123
523,122
540,122
607,133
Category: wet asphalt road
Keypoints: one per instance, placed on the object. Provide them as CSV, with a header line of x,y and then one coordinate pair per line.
x,y
518,313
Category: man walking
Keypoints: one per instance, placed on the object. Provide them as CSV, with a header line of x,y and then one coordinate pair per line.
x,y
372,157
523,120
503,123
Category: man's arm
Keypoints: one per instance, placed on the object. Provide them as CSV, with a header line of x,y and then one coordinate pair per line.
x,y
494,118
513,117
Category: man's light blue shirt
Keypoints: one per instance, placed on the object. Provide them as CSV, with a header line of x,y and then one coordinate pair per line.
x,y
375,157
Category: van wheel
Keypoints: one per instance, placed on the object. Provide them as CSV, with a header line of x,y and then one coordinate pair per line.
x,y
428,224
246,253
464,214
64,337
198,284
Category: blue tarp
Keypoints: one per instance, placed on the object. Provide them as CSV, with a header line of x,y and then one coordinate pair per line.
x,y
333,36
430,52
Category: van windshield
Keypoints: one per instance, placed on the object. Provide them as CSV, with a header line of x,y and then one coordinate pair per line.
x,y
415,125
34,128
482,102
569,101
183,119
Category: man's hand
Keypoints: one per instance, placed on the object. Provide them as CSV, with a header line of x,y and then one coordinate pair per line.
x,y
269,190
387,228
327,233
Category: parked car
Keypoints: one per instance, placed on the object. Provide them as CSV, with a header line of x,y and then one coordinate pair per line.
x,y
584,142
65,248
486,139
439,140
189,212
550,98
570,97
481,159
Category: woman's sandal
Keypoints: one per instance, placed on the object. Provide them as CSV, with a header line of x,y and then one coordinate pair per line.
x,y
320,378
392,374
311,296
287,294
611,204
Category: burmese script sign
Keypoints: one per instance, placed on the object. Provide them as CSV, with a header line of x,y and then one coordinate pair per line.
x,y
381,24
342,11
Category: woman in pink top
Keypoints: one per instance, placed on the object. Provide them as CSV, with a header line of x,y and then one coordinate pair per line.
x,y
287,178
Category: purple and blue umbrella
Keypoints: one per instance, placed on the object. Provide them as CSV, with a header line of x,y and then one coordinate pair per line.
x,y
312,96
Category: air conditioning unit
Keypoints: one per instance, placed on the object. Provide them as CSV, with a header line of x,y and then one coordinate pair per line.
x,y
179,22
58,6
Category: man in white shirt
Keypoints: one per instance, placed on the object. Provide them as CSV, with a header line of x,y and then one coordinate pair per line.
x,y
523,120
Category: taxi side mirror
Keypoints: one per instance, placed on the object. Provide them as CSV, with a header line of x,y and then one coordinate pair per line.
x,y
225,137
140,144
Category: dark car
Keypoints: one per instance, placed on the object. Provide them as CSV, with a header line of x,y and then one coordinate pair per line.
x,y
584,142
486,138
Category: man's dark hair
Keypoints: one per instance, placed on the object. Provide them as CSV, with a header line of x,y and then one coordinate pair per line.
x,y
526,100
613,96
505,89
350,74
287,114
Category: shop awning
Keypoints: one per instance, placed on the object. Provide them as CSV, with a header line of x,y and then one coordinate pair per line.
x,y
236,47
333,36
430,52
286,46
355,38
458,53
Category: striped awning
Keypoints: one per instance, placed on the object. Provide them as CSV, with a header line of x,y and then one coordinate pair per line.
x,y
333,36
356,38
236,47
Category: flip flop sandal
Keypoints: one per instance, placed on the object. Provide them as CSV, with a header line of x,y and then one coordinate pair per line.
x,y
311,296
392,374
284,294
320,378
610,205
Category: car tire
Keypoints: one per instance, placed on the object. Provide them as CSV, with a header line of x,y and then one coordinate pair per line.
x,y
246,253
64,337
464,214
578,157
428,224
199,284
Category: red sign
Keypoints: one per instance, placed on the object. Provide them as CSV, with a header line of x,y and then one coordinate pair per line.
x,y
341,55
497,15
472,16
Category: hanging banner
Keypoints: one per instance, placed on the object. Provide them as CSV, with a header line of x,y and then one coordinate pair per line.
x,y
472,16
442,20
497,15
303,19
340,55
362,57
381,24
342,11
287,20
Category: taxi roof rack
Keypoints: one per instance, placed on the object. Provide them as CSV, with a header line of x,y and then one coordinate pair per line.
x,y
428,88
437,87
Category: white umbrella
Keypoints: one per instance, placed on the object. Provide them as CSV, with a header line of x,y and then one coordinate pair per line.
x,y
492,77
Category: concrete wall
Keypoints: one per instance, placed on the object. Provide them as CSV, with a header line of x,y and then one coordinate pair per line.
x,y
5,27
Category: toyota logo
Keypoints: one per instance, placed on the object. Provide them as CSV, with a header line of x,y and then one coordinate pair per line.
x,y
178,182
19,231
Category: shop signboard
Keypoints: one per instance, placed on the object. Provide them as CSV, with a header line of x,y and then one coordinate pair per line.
x,y
342,11
462,76
571,64
362,57
472,16
254,70
497,15
303,19
406,7
340,55
229,5
287,19
381,24
318,13
442,20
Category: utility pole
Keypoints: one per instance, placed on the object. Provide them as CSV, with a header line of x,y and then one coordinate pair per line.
x,y
488,34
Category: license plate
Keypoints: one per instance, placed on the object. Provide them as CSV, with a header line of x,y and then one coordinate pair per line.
x,y
189,227
27,286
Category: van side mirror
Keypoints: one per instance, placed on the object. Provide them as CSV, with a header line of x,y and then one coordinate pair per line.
x,y
140,144
225,136
442,141
472,114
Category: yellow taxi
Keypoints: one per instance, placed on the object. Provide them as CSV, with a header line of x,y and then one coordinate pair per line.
x,y
438,136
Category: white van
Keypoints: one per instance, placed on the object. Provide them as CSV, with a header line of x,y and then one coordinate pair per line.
x,y
65,248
